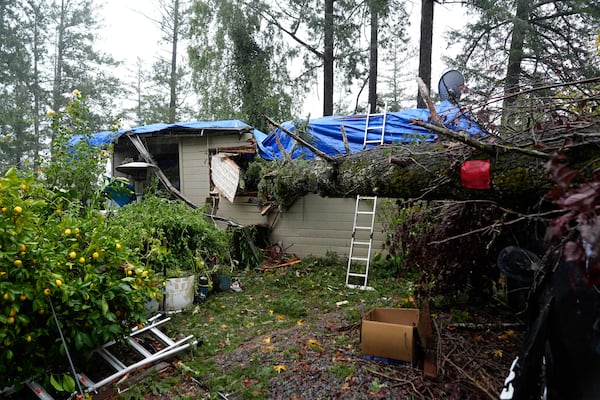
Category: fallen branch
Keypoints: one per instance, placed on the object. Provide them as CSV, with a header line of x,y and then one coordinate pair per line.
x,y
301,141
488,148
400,381
472,380
425,95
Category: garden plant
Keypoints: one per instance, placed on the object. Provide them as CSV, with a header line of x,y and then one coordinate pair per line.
x,y
65,269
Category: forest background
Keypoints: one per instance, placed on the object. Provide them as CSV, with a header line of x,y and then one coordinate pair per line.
x,y
246,59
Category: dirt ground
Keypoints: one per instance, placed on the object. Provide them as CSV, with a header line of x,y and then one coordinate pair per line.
x,y
472,363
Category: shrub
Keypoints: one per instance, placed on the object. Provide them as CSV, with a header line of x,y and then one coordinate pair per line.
x,y
57,257
171,236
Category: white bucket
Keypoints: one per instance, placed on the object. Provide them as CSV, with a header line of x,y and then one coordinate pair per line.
x,y
179,293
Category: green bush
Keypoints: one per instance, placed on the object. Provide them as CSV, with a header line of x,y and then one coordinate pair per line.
x,y
54,255
171,236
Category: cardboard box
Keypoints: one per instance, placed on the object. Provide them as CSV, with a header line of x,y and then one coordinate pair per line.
x,y
390,333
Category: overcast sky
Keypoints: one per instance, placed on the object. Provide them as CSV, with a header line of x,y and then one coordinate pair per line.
x,y
130,33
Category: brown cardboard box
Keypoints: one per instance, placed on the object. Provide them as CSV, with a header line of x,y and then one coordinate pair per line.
x,y
390,333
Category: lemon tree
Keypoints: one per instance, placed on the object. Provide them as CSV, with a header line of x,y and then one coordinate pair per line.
x,y
59,253
53,256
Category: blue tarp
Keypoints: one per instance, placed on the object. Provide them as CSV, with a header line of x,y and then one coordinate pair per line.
x,y
326,133
106,137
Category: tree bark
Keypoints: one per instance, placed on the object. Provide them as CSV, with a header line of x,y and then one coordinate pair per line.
x,y
429,171
425,47
373,58
328,60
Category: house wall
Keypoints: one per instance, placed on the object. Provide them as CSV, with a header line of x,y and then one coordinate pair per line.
x,y
194,163
312,226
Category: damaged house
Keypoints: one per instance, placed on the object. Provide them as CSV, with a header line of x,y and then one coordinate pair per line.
x,y
203,162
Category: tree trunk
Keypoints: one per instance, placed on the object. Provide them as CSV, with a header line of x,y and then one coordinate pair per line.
x,y
373,58
515,56
425,171
425,49
173,78
328,60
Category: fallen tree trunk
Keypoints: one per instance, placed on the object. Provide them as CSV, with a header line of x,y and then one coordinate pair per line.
x,y
519,179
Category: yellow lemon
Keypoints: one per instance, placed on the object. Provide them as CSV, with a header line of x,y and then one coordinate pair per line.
x,y
82,259
6,296
3,209
129,273
28,339
58,283
72,255
17,263
67,231
76,230
18,210
58,211
95,255
22,248
41,311
13,312
24,187
23,297
47,292
11,320
118,246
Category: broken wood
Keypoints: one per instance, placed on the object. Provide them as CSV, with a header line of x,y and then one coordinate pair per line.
x,y
300,140
425,95
265,266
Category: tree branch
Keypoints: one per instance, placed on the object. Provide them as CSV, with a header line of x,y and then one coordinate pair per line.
x,y
488,148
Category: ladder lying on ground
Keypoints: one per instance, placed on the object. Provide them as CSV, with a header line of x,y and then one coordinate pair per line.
x,y
170,347
361,244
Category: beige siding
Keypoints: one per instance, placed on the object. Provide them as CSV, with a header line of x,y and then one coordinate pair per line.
x,y
194,163
315,225
194,169
312,226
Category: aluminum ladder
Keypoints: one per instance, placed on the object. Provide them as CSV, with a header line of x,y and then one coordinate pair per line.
x,y
361,243
376,129
148,356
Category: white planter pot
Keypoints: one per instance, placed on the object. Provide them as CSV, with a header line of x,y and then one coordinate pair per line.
x,y
179,293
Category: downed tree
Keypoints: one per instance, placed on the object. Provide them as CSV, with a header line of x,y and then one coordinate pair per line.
x,y
516,165
432,171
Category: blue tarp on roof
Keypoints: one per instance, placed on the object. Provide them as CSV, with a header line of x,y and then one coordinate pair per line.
x,y
326,133
106,137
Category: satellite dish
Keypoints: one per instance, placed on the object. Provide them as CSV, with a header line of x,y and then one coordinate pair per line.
x,y
450,85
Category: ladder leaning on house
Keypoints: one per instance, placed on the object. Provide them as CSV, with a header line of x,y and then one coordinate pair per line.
x,y
361,243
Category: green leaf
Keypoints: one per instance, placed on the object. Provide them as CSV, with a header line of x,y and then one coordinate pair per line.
x,y
104,306
78,341
56,384
68,383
